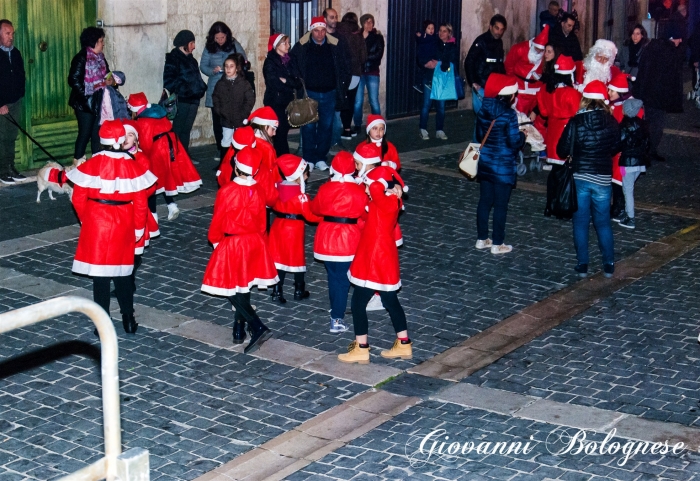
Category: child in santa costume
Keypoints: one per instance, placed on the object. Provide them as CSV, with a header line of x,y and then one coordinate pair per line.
x,y
241,259
376,267
169,159
286,239
242,137
341,203
131,145
376,134
264,123
110,196
524,61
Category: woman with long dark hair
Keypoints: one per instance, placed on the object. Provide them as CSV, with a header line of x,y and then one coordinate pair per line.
x,y
220,44
632,49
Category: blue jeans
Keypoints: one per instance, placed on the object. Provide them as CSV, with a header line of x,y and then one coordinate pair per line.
x,y
372,84
337,128
593,200
338,287
439,107
316,137
494,196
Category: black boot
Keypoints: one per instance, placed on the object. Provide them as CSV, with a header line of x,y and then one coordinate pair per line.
x,y
238,329
259,333
277,294
129,322
299,292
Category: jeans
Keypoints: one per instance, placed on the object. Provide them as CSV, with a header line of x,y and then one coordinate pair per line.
x,y
183,122
425,110
88,131
360,298
337,128
494,196
628,188
593,200
316,137
338,287
372,84
8,137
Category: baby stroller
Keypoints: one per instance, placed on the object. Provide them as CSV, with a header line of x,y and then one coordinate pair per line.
x,y
533,146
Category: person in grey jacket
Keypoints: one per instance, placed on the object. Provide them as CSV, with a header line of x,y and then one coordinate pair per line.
x,y
220,44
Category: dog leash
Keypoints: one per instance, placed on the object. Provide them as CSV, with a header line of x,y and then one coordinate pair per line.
x,y
12,120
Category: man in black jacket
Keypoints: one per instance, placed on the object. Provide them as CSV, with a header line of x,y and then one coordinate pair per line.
x,y
322,64
12,80
485,56
563,35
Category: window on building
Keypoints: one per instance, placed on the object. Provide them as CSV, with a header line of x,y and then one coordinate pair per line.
x,y
292,17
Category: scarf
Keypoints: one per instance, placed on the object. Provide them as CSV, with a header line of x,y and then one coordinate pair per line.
x,y
95,71
285,59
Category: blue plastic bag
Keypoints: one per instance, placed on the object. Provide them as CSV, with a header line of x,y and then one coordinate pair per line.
x,y
443,84
459,86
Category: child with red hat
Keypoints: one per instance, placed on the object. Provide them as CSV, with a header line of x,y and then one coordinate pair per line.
x,y
376,134
376,267
264,123
241,259
242,137
286,239
110,193
341,203
169,159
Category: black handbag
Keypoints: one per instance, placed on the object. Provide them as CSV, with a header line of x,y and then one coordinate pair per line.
x,y
564,202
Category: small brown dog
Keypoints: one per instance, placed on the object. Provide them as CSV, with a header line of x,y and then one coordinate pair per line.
x,y
52,177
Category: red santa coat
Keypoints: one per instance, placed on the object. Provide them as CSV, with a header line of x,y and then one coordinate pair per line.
x,y
391,158
168,158
558,107
110,196
518,65
225,170
286,238
334,241
240,259
268,175
152,229
376,263
398,235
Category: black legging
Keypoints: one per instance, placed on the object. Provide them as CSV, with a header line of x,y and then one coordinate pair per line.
x,y
152,203
360,298
298,277
123,287
347,113
241,301
88,132
279,141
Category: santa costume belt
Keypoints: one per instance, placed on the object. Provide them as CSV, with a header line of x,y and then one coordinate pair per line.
x,y
171,147
229,235
282,215
340,220
110,202
528,80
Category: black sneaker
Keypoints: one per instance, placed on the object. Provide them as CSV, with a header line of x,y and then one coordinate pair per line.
x,y
608,270
618,218
7,179
627,223
16,176
347,134
581,270
355,131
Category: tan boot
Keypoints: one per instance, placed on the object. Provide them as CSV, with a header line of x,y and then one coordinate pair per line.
x,y
404,351
356,354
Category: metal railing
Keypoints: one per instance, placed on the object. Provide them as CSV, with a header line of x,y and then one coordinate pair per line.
x,y
115,465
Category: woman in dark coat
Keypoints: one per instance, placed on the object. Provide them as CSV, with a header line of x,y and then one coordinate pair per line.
x,y
631,50
281,80
498,161
87,82
374,44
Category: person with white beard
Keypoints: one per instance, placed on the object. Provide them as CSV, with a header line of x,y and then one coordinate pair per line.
x,y
524,61
598,64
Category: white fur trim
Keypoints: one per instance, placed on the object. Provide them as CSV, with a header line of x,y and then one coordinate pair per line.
x,y
102,270
188,187
555,161
399,242
375,122
132,129
116,142
282,267
154,234
374,285
139,250
389,163
277,41
246,169
136,108
342,178
371,160
594,96
325,258
220,291
238,146
298,172
509,90
248,181
140,232
318,25
618,89
261,121
123,186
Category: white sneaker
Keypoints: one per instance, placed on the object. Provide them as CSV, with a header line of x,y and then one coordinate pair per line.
x,y
375,304
311,166
441,135
321,165
424,134
501,249
173,211
483,244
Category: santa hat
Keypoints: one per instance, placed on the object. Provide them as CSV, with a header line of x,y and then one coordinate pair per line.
x,y
542,38
263,116
564,65
367,154
112,133
243,137
130,127
292,167
274,41
596,90
384,175
373,120
619,83
248,160
317,22
137,102
500,84
342,167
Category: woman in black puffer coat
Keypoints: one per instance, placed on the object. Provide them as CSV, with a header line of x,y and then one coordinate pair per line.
x,y
592,136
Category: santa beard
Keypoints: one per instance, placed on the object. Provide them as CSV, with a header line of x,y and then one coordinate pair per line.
x,y
596,71
534,57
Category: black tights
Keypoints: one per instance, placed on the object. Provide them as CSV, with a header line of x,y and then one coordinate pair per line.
x,y
152,203
241,301
123,287
360,298
298,277
169,199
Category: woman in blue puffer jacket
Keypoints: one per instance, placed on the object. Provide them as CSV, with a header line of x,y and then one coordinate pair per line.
x,y
498,161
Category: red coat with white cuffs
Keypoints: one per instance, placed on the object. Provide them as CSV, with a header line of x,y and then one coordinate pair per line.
x,y
241,258
558,107
337,242
268,175
152,229
286,239
110,196
376,263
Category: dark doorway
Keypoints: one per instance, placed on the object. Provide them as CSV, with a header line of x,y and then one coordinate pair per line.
x,y
293,17
406,18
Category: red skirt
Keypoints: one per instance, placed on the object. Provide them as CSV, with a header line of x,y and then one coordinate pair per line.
x,y
174,169
286,243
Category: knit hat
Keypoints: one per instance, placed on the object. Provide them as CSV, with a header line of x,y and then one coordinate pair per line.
x,y
596,90
274,41
112,133
631,107
263,116
564,65
542,38
367,153
183,38
373,120
342,167
248,160
385,175
292,167
317,22
619,83
500,84
137,102
243,137
118,77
